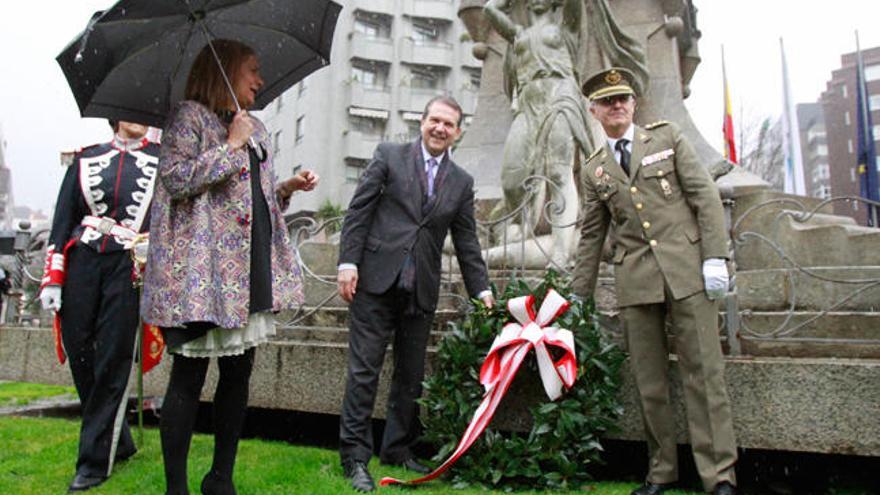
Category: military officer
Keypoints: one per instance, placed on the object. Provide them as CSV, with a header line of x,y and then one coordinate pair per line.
x,y
669,256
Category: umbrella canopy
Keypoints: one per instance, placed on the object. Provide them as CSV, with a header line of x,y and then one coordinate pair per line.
x,y
132,61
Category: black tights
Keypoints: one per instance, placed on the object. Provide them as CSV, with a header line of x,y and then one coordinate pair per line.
x,y
179,412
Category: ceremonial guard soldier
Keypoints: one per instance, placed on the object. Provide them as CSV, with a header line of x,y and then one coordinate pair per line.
x,y
669,265
104,202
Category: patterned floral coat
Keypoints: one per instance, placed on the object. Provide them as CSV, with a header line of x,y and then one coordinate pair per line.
x,y
198,266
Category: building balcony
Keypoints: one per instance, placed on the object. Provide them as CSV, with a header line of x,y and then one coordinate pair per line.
x,y
415,99
432,9
366,96
371,47
377,6
359,145
426,53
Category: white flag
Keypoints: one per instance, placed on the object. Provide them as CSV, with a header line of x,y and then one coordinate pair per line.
x,y
791,140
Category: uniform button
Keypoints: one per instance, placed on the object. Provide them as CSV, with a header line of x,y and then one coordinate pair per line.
x,y
639,206
633,190
646,225
605,196
653,243
659,173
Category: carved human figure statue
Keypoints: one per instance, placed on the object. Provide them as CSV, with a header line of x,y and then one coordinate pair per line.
x,y
550,114
549,111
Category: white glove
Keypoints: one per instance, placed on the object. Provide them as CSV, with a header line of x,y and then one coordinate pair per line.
x,y
715,278
50,297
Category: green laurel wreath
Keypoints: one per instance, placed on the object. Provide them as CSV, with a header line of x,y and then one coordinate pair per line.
x,y
563,440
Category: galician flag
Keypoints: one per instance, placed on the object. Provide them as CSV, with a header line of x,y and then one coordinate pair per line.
x,y
727,127
791,141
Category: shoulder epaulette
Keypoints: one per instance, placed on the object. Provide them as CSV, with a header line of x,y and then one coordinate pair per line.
x,y
654,125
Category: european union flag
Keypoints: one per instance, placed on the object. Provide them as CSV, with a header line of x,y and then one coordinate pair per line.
x,y
866,154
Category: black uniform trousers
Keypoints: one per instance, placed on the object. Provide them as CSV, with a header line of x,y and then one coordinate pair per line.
x,y
376,319
99,318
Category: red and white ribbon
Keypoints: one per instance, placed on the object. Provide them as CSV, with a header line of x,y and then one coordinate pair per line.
x,y
504,358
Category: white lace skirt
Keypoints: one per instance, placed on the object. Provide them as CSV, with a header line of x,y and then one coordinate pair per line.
x,y
219,342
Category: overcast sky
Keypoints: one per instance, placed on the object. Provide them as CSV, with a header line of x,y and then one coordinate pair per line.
x,y
39,117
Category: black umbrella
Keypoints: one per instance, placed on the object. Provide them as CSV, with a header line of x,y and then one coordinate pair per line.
x,y
132,61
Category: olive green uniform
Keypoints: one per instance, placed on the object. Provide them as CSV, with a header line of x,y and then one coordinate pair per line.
x,y
667,218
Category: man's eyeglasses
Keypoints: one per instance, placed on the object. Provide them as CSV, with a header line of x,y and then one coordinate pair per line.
x,y
613,100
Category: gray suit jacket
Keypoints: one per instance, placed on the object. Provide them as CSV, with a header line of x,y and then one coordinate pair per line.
x,y
387,220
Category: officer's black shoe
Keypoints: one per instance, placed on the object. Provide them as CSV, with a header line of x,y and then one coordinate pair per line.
x,y
652,488
410,464
724,488
124,455
82,483
360,477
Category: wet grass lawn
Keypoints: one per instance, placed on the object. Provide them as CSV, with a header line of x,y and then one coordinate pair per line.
x,y
38,457
21,394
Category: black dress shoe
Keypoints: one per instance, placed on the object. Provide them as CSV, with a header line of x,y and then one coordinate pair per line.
x,y
411,464
124,455
652,488
216,485
724,488
360,477
82,483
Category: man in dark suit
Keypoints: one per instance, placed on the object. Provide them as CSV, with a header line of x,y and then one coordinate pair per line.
x,y
409,197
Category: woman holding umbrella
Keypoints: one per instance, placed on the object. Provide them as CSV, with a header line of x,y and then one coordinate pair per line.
x,y
220,261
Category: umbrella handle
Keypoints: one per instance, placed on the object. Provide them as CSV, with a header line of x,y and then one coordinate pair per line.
x,y
251,143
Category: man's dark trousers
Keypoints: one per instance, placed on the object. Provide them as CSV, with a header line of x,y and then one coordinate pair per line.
x,y
99,319
376,320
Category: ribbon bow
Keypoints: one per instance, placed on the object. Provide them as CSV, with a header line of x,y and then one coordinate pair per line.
x,y
503,361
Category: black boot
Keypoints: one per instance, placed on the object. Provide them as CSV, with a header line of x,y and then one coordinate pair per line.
x,y
179,411
230,405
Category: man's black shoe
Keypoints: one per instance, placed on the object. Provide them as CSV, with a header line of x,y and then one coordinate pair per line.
x,y
724,488
360,478
410,464
652,488
125,455
82,483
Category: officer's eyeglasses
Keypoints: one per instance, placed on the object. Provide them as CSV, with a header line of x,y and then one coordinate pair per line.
x,y
613,100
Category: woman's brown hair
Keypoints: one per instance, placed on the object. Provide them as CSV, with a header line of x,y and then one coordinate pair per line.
x,y
205,83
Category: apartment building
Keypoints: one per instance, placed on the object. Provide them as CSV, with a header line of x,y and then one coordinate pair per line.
x,y
389,58
839,106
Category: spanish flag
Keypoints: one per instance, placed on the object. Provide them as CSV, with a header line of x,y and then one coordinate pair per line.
x,y
727,128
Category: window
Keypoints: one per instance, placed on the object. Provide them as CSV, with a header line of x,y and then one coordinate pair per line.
x,y
877,133
872,72
363,75
843,90
425,79
279,102
300,128
474,77
414,128
877,159
366,125
425,31
276,143
849,145
303,86
354,167
874,102
852,174
822,150
846,120
366,27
